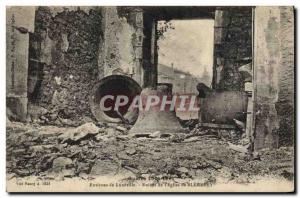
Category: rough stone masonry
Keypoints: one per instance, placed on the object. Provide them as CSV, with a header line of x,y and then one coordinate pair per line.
x,y
73,48
65,45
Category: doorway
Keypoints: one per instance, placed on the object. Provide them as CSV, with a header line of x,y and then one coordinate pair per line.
x,y
185,56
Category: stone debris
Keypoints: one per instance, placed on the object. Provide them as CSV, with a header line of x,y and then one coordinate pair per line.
x,y
37,150
88,128
123,156
61,163
120,128
192,139
228,133
240,125
183,170
239,148
80,133
104,167
64,87
63,167
130,151
92,150
156,134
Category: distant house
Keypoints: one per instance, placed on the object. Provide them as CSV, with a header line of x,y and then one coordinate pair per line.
x,y
183,82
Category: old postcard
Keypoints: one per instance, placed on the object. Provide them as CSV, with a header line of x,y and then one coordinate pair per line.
x,y
150,99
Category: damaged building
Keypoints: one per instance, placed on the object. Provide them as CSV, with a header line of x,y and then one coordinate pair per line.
x,y
62,60
58,54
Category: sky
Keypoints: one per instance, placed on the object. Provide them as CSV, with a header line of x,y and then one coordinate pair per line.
x,y
189,46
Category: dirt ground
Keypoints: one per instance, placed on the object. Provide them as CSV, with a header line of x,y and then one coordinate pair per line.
x,y
90,151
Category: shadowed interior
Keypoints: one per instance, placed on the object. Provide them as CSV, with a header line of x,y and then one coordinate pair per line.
x,y
116,86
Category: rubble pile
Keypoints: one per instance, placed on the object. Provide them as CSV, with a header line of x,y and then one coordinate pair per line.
x,y
40,150
43,116
66,45
102,149
232,135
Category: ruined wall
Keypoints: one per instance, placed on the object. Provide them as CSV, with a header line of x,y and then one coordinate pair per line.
x,y
75,47
233,46
274,76
285,103
64,49
18,28
121,51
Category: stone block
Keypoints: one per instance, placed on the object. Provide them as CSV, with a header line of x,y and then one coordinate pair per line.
x,y
16,108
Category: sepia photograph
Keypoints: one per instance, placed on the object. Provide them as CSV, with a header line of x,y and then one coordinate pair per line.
x,y
150,99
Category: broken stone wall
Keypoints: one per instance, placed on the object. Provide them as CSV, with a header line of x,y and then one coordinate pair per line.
x,y
285,103
274,76
64,54
233,46
121,51
75,47
18,28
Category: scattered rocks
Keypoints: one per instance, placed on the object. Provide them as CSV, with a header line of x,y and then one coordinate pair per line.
x,y
88,128
23,172
177,138
120,128
123,156
156,134
239,148
61,163
80,133
88,151
255,156
104,167
182,170
242,179
289,175
35,112
123,137
62,167
130,151
192,139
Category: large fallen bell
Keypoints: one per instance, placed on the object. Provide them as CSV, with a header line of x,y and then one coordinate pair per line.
x,y
221,107
114,85
155,119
